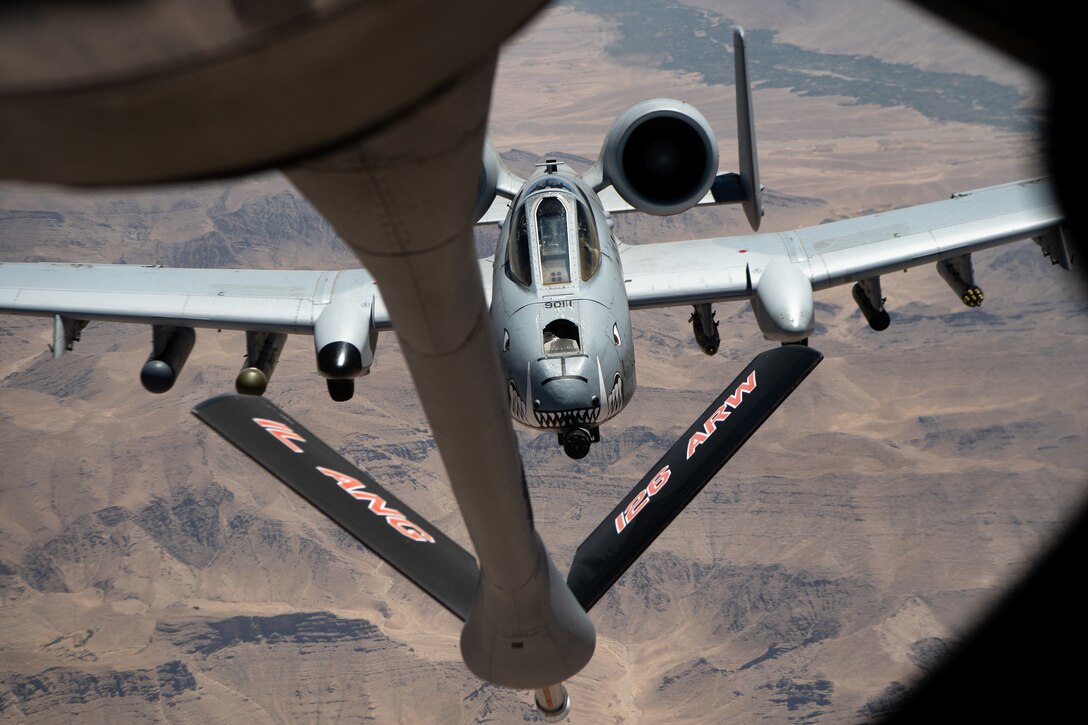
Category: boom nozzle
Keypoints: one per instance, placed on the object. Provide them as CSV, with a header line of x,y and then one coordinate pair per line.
x,y
552,702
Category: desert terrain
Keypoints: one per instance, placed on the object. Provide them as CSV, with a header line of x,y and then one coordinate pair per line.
x,y
149,572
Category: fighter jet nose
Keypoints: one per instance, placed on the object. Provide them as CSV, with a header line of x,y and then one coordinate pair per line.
x,y
565,401
566,393
571,392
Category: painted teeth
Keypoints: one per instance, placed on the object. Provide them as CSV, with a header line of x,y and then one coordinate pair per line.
x,y
563,418
615,397
517,405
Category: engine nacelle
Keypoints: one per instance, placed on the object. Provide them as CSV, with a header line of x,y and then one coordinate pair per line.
x,y
495,180
488,184
660,155
170,349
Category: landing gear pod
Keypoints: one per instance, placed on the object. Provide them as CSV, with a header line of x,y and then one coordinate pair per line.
x,y
263,352
169,351
344,340
783,303
341,390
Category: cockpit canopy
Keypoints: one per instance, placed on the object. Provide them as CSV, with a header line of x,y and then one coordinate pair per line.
x,y
551,215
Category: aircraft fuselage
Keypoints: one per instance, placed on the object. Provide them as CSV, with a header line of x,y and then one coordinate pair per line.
x,y
559,311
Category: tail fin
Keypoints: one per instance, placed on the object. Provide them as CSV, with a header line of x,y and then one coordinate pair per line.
x,y
746,133
743,188
352,499
672,483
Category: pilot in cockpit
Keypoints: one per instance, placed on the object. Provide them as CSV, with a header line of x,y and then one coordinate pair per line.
x,y
552,228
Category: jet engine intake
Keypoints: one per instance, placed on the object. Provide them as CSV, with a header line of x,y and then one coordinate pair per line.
x,y
660,155
170,349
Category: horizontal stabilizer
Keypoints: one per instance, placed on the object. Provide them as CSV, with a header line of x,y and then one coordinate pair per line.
x,y
380,521
686,468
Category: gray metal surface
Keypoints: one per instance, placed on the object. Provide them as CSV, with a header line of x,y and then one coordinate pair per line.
x,y
746,133
233,299
288,301
133,92
724,268
413,231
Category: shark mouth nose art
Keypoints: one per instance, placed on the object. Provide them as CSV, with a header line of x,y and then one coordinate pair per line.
x,y
566,417
614,403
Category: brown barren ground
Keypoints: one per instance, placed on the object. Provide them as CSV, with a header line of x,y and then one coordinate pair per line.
x,y
150,572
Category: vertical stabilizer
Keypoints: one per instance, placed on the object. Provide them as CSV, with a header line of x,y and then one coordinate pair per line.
x,y
746,133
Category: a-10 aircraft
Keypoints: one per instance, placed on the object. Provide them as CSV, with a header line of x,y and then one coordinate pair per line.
x,y
560,288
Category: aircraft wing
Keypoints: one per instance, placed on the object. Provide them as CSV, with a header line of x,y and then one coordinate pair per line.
x,y
728,268
256,300
238,299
